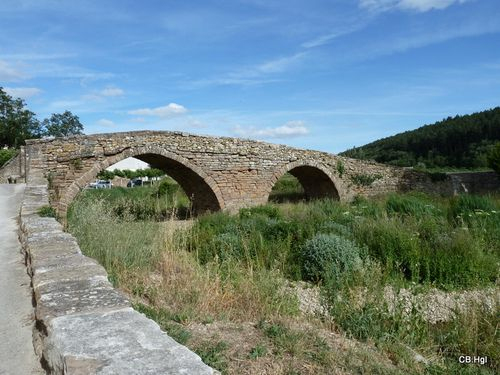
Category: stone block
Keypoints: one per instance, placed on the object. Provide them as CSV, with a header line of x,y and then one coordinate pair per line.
x,y
66,262
90,271
119,342
76,297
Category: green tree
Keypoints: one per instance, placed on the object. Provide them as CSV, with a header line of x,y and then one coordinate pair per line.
x,y
16,122
494,158
62,125
105,175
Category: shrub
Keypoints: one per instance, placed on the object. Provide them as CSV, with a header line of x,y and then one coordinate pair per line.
x,y
227,246
437,176
340,168
329,256
280,229
362,179
494,158
47,211
167,188
6,154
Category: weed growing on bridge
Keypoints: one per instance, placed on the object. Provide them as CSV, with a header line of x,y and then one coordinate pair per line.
x,y
47,211
221,268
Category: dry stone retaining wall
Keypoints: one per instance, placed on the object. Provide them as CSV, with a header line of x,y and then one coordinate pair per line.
x,y
83,325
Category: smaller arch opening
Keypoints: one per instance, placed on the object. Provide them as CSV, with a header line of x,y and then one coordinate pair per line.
x,y
303,183
287,189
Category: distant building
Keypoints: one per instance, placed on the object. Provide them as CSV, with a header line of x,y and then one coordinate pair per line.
x,y
132,164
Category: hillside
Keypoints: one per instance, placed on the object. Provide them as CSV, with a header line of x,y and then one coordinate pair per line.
x,y
458,142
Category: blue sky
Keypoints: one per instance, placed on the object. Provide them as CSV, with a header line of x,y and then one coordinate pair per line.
x,y
323,75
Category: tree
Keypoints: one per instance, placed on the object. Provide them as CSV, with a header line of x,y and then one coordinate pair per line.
x,y
494,158
16,122
62,125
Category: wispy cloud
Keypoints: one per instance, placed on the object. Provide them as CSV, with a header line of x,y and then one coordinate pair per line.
x,y
265,72
10,74
289,130
111,91
166,111
38,56
414,5
102,95
334,34
22,92
105,123
277,65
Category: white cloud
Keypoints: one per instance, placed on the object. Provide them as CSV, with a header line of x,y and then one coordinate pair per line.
x,y
9,74
416,5
166,111
106,123
22,92
288,130
112,91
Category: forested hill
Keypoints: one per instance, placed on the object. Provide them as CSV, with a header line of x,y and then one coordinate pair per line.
x,y
460,142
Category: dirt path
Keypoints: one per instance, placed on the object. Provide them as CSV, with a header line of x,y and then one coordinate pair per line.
x,y
17,355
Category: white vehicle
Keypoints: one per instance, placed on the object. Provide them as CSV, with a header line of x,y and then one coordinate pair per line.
x,y
101,184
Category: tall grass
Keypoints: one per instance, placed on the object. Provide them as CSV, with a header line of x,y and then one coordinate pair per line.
x,y
234,266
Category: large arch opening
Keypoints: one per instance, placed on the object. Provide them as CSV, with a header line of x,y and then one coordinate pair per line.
x,y
200,193
302,182
201,190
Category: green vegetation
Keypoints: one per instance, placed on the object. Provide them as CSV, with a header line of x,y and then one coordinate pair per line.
x,y
236,268
287,189
47,211
6,154
213,354
494,158
365,179
127,173
329,256
459,142
17,123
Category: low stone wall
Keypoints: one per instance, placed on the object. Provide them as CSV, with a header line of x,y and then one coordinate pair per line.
x,y
450,183
84,325
11,169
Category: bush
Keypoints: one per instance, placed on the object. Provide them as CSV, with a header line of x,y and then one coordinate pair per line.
x,y
365,179
328,256
167,188
227,246
6,154
494,158
47,211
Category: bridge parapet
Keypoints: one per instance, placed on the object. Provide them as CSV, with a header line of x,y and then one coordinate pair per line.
x,y
83,325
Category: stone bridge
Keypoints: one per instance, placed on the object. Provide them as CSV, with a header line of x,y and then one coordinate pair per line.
x,y
217,173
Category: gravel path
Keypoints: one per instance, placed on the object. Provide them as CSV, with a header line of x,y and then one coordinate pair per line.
x,y
17,355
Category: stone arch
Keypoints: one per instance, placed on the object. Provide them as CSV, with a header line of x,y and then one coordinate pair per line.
x,y
316,179
202,190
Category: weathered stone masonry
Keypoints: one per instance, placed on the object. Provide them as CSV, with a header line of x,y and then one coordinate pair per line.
x,y
83,325
216,172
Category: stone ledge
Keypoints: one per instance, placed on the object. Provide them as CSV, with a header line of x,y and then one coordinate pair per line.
x,y
118,342
84,325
